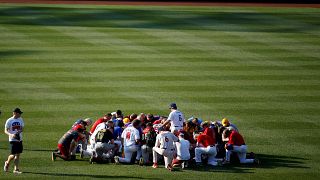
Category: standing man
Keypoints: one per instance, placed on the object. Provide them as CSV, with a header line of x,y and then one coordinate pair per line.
x,y
13,128
176,119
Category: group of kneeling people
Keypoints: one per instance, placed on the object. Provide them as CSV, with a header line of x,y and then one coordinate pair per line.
x,y
147,140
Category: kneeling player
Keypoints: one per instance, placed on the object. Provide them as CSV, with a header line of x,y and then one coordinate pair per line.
x,y
236,144
66,143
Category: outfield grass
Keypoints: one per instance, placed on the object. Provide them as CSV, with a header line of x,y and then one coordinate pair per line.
x,y
257,66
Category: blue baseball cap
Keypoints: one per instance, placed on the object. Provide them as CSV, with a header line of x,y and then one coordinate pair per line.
x,y
173,106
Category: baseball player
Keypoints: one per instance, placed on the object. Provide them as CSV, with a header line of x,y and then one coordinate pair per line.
x,y
103,145
176,119
13,128
130,139
206,145
236,144
105,118
164,146
183,151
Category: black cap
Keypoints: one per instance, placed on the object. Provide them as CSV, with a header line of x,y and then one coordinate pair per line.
x,y
119,112
17,110
173,106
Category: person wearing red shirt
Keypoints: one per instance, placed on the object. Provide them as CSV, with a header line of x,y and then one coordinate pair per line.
x,y
206,145
237,145
104,119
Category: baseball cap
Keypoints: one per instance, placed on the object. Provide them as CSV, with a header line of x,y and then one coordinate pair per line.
x,y
173,106
79,128
225,122
126,120
17,110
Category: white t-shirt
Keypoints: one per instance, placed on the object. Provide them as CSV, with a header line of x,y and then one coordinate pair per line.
x,y
165,140
176,119
130,135
183,147
14,125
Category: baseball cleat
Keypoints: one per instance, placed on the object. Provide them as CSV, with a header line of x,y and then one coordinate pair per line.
x,y
91,160
225,162
53,156
81,153
155,165
116,160
6,167
141,161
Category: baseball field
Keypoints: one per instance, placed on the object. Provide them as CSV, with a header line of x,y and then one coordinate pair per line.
x,y
257,66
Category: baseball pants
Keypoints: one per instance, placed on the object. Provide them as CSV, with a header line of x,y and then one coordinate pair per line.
x,y
211,151
128,151
166,153
241,152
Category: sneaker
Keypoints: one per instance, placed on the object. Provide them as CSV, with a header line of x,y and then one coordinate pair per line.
x,y
17,171
141,161
116,160
6,167
155,165
53,156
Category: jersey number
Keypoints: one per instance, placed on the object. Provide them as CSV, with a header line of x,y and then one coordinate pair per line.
x,y
128,135
180,118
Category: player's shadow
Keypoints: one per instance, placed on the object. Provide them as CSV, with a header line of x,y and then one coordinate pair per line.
x,y
274,161
85,175
266,161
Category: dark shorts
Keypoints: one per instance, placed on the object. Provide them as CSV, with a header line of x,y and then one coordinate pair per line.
x,y
16,147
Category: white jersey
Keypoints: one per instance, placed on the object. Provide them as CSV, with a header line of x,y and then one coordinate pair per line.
x,y
130,135
13,126
183,147
176,119
98,128
165,140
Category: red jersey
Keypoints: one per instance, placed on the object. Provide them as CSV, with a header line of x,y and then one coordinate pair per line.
x,y
236,139
210,132
205,140
101,120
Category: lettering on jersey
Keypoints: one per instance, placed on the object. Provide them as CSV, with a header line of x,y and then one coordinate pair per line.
x,y
180,118
128,135
16,126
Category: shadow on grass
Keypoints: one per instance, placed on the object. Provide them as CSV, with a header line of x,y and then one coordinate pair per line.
x,y
83,175
4,54
274,161
267,162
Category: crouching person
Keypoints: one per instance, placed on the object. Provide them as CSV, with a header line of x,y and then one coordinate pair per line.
x,y
164,146
103,145
206,146
183,152
148,141
237,145
67,143
130,138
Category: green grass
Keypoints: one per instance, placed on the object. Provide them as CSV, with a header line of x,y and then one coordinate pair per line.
x,y
257,66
